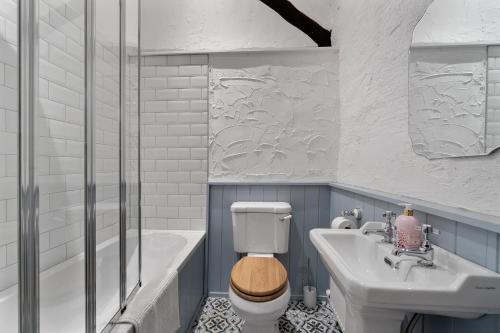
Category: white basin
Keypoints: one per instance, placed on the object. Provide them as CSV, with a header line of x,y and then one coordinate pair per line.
x,y
454,287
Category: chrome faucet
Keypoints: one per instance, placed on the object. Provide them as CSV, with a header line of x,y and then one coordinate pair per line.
x,y
388,231
425,252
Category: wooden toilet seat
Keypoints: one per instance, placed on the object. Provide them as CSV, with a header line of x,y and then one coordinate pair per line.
x,y
259,279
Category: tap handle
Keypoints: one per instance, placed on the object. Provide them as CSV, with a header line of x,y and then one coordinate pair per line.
x,y
428,229
389,213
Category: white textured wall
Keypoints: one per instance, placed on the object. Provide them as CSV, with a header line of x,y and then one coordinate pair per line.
x,y
375,150
174,140
196,25
273,116
465,21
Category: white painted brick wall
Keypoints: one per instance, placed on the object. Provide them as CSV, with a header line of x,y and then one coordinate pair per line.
x,y
493,99
174,141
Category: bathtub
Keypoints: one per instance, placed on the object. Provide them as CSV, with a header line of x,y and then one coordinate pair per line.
x,y
62,298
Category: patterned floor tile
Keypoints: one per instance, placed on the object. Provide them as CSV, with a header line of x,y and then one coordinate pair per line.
x,y
217,316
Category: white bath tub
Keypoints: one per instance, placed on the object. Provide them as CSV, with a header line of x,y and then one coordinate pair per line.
x,y
62,296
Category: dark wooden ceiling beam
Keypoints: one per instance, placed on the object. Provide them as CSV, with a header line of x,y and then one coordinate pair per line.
x,y
292,15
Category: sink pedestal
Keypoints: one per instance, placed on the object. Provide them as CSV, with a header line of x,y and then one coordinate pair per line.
x,y
369,320
361,319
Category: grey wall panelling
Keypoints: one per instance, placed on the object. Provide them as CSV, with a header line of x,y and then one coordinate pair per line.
x,y
314,206
310,209
478,245
191,291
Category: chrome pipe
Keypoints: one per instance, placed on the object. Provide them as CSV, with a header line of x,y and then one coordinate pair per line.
x,y
116,317
139,181
28,192
90,170
123,157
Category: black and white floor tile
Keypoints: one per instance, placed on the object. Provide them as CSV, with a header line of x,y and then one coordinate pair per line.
x,y
217,316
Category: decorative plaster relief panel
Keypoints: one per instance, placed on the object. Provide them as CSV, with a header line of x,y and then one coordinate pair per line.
x,y
273,116
447,101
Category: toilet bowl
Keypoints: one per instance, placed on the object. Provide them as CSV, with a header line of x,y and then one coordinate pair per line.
x,y
259,292
260,317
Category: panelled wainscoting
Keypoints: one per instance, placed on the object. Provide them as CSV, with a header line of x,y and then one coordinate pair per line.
x,y
478,245
191,288
313,206
310,209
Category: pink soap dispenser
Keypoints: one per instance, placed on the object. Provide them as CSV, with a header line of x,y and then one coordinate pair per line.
x,y
408,234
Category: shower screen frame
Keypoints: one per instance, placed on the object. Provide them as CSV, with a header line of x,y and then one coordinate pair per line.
x,y
28,198
28,187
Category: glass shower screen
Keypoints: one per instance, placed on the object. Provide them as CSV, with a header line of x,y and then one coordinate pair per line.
x,y
9,114
69,163
61,161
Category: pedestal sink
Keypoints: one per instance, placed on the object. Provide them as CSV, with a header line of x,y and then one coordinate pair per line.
x,y
372,297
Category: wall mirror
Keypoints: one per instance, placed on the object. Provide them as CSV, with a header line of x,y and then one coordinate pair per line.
x,y
454,79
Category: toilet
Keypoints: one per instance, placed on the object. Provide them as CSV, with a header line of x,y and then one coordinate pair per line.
x,y
259,289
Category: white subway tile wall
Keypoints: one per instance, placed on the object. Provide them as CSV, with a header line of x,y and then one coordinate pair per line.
x,y
174,138
493,99
8,143
107,132
132,141
61,135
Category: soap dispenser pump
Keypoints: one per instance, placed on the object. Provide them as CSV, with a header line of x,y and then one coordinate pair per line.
x,y
408,234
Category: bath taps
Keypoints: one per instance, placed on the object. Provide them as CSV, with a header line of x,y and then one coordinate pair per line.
x,y
388,231
425,252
